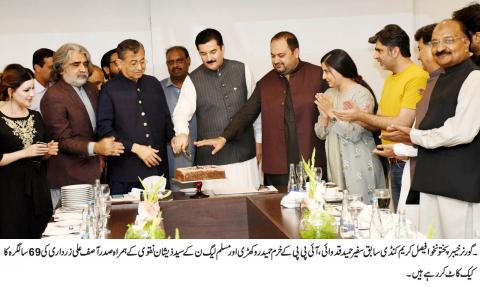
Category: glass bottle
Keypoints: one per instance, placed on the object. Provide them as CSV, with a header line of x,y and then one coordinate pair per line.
x,y
292,179
87,229
97,188
401,230
347,226
375,221
301,177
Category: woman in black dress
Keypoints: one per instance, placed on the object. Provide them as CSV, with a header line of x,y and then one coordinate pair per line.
x,y
25,202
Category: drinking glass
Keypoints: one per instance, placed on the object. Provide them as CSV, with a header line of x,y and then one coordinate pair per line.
x,y
388,223
383,196
87,227
105,190
318,174
301,176
105,205
355,207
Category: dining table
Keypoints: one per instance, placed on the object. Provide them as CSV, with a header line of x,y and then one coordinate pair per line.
x,y
239,216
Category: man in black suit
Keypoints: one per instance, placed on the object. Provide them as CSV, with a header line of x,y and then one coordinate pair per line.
x,y
132,108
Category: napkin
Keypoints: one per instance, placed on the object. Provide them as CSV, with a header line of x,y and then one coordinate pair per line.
x,y
293,199
54,229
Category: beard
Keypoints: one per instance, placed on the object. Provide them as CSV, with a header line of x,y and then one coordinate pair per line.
x,y
75,80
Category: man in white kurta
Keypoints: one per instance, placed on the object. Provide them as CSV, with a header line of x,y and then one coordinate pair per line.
x,y
215,91
447,173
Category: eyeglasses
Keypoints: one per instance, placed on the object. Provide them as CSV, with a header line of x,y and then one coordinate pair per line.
x,y
447,41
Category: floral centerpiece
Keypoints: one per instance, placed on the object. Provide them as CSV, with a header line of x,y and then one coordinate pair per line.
x,y
149,222
315,222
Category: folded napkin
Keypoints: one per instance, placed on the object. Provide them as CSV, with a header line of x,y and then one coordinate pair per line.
x,y
54,229
293,199
67,216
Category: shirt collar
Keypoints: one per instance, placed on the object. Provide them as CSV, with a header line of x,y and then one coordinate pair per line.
x,y
39,88
170,84
77,89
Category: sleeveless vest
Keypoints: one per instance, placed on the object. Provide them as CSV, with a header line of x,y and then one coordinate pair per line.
x,y
220,94
452,172
304,84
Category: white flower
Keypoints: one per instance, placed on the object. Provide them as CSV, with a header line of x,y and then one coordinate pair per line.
x,y
147,211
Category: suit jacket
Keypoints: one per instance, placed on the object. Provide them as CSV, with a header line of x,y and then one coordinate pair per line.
x,y
66,121
135,112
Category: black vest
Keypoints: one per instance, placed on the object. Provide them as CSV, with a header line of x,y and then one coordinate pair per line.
x,y
220,94
452,172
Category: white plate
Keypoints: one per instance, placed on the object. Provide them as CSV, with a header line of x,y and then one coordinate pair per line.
x,y
68,217
52,230
76,197
76,186
76,206
82,194
189,191
77,191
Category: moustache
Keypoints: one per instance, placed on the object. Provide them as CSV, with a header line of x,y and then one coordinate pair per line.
x,y
442,53
211,62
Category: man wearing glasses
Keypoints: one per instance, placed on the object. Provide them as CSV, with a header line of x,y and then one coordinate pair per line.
x,y
178,62
133,109
447,174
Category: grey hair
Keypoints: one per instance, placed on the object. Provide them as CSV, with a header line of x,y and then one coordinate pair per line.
x,y
63,54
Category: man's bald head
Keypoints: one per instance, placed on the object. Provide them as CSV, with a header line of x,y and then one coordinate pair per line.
x,y
450,43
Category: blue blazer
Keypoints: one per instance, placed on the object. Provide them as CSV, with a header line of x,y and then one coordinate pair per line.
x,y
135,112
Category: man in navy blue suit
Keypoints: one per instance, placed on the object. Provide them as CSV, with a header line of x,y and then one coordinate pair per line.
x,y
133,109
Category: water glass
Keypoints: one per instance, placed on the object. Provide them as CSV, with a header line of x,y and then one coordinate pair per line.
x,y
105,190
301,175
388,223
383,196
355,207
318,174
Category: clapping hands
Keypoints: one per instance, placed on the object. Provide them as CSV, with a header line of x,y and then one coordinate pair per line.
x,y
324,105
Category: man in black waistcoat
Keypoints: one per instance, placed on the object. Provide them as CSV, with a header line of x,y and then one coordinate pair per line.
x,y
447,174
214,92
132,108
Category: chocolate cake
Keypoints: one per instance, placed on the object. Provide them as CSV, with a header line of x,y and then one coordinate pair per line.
x,y
198,173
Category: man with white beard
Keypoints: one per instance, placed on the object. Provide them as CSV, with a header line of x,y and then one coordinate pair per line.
x,y
68,108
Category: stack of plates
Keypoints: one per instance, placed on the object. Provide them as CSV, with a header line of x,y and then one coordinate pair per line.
x,y
76,195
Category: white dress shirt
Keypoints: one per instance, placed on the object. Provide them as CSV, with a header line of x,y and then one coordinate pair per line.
x,y
187,105
39,92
